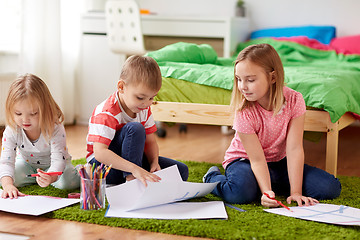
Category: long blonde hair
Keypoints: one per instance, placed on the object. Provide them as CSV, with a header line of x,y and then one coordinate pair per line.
x,y
31,87
265,56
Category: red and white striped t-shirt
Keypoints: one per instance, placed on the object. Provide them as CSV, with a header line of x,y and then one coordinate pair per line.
x,y
109,117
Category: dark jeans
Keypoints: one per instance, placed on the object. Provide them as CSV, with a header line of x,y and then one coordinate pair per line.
x,y
239,184
129,143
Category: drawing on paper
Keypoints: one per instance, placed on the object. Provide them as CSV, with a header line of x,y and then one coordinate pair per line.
x,y
326,213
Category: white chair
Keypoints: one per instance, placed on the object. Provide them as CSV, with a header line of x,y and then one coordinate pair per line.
x,y
124,35
123,26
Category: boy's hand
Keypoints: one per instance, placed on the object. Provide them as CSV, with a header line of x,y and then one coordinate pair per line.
x,y
143,176
9,190
44,179
154,167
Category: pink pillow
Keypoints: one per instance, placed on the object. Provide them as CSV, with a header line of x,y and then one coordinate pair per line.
x,y
309,42
346,45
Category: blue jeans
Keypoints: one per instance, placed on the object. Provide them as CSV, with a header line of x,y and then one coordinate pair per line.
x,y
129,143
239,184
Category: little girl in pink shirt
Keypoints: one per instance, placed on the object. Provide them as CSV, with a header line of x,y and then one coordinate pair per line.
x,y
266,154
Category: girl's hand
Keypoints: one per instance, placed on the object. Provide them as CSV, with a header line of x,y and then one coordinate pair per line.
x,y
143,176
11,191
300,199
44,179
267,202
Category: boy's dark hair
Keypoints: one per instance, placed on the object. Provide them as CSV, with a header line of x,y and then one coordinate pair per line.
x,y
141,70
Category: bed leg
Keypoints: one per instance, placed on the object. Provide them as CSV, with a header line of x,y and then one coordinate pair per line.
x,y
227,130
161,132
332,141
182,128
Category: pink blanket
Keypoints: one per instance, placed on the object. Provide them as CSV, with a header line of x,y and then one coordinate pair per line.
x,y
344,45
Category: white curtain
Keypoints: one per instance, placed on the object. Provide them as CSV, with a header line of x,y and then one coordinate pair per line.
x,y
50,47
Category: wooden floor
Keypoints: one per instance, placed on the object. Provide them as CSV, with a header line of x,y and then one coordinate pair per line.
x,y
200,143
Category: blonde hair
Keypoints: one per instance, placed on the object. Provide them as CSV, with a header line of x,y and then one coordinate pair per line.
x,y
34,89
265,56
141,70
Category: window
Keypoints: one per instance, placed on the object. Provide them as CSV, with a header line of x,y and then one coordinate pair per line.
x,y
10,25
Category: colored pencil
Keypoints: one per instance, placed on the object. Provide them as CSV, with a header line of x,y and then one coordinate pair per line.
x,y
47,173
107,171
92,192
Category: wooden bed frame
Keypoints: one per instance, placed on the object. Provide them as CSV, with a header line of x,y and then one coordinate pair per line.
x,y
315,120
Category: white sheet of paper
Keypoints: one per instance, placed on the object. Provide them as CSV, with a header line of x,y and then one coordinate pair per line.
x,y
177,210
326,213
133,199
34,205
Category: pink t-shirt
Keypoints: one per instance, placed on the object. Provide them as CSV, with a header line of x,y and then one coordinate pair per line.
x,y
271,130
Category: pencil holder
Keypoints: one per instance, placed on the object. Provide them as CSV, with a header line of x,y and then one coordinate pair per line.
x,y
92,193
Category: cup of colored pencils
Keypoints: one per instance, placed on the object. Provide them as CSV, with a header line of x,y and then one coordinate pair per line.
x,y
92,187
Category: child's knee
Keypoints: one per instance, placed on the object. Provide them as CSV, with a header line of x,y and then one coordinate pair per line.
x,y
135,127
320,184
69,180
71,183
23,169
67,185
239,196
330,190
239,189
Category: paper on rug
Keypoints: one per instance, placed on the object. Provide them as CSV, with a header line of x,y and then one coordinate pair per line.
x,y
160,200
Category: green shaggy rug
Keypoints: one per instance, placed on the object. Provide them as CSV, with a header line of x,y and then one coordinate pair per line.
x,y
252,224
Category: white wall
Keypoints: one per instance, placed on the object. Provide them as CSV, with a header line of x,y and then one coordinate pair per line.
x,y
190,7
344,14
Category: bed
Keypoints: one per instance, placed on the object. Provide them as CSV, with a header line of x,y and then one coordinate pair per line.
x,y
197,85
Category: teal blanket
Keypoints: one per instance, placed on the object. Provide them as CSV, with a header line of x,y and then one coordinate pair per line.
x,y
326,80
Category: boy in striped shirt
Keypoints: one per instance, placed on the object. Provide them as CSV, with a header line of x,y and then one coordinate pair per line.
x,y
122,129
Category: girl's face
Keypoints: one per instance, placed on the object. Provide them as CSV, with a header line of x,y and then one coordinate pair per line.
x,y
135,98
253,82
26,116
